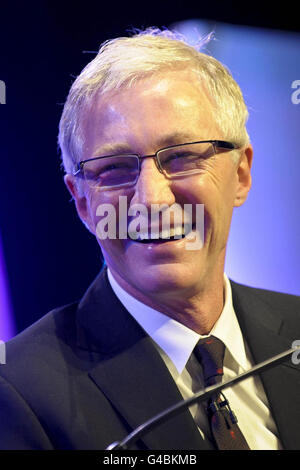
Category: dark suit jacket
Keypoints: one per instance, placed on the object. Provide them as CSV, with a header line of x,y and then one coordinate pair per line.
x,y
86,374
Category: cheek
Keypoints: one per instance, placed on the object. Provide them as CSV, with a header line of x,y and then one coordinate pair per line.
x,y
113,250
109,210
216,190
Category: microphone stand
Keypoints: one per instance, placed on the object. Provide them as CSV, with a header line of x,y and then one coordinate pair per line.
x,y
202,395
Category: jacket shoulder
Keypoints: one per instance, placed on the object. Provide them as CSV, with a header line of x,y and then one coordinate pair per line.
x,y
279,303
54,321
43,341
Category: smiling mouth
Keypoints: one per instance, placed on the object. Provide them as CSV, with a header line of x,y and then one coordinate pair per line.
x,y
164,236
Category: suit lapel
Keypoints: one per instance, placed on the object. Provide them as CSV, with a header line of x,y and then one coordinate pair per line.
x,y
266,334
134,378
139,385
131,373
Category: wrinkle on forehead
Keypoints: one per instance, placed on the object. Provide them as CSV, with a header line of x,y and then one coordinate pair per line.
x,y
159,88
141,112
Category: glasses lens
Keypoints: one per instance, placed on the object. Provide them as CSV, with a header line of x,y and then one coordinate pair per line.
x,y
110,172
185,158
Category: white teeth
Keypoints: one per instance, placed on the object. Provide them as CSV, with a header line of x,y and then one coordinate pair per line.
x,y
178,231
165,233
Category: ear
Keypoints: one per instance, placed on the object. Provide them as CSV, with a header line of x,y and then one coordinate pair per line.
x,y
244,176
80,199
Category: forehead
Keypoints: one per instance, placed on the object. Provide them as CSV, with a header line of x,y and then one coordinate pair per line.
x,y
151,110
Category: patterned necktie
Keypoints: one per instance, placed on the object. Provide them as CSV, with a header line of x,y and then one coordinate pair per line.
x,y
223,423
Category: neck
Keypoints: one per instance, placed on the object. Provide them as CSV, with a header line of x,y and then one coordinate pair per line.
x,y
198,309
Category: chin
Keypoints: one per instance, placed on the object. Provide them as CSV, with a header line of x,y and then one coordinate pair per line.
x,y
165,278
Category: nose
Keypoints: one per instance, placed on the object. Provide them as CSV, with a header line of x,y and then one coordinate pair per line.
x,y
152,186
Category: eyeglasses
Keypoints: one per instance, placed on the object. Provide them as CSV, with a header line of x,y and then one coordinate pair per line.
x,y
114,171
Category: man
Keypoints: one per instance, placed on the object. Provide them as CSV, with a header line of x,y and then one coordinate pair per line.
x,y
149,125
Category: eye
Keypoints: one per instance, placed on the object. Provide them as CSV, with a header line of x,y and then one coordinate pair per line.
x,y
113,166
102,170
179,155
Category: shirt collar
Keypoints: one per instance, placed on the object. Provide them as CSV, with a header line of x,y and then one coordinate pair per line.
x,y
177,340
228,330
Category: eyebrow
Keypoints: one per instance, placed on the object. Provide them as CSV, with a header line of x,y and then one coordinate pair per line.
x,y
175,139
112,149
123,147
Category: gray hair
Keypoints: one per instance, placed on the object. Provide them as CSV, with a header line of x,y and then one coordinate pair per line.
x,y
122,61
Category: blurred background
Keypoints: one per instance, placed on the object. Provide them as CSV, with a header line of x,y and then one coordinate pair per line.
x,y
47,257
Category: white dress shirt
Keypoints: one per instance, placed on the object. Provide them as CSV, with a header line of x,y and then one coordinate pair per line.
x,y
175,343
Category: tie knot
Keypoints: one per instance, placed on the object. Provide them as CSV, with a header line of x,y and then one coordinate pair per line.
x,y
210,353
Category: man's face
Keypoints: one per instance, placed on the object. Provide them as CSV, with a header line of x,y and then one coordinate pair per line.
x,y
158,112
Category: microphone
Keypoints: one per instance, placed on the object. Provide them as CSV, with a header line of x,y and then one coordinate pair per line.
x,y
202,395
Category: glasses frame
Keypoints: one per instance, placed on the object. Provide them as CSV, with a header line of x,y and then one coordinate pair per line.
x,y
217,144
